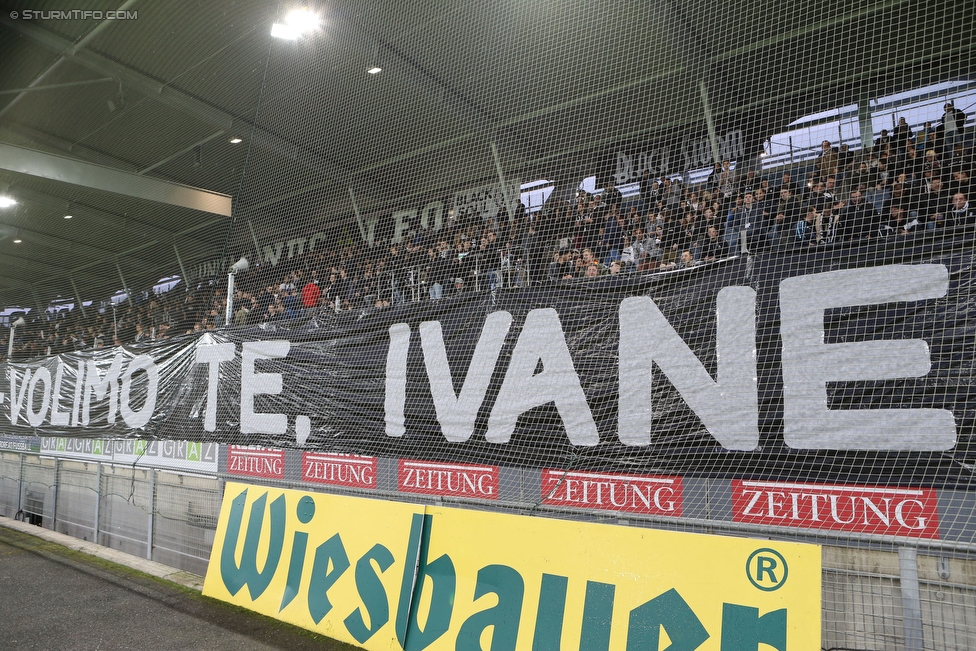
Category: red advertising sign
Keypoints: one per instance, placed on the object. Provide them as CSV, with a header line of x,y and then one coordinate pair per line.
x,y
458,480
339,469
909,512
612,492
256,462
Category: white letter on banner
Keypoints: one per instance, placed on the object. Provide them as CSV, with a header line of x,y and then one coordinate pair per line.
x,y
435,208
542,339
456,414
808,363
36,418
253,384
401,222
728,407
17,399
94,382
213,355
79,385
396,380
58,417
139,418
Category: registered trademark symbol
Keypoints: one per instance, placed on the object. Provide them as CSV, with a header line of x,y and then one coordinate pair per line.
x,y
767,569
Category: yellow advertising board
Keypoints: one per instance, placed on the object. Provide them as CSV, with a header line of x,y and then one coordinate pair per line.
x,y
387,575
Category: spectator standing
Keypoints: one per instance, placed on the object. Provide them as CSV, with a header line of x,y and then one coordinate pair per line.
x,y
901,136
858,219
934,206
612,239
713,248
827,161
648,192
611,196
953,122
440,269
310,295
925,138
961,214
804,233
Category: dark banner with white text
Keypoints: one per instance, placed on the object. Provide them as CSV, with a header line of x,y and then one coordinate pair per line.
x,y
775,368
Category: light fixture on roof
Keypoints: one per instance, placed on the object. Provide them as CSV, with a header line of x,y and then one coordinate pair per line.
x,y
297,23
374,70
235,141
67,216
238,267
116,103
6,202
13,326
18,241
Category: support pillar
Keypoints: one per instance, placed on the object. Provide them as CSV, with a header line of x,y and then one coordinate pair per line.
x,y
911,601
864,121
98,499
152,510
186,277
81,303
509,205
125,288
709,122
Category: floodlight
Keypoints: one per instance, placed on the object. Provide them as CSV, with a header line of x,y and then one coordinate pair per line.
x,y
302,21
284,32
239,266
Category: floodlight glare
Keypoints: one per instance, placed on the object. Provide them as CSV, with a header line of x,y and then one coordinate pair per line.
x,y
18,241
302,21
6,202
235,141
284,32
67,216
373,71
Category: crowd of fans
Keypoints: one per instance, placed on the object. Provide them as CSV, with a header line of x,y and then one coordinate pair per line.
x,y
907,185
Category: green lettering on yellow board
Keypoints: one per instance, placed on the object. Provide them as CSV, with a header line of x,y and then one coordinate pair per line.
x,y
237,576
373,594
509,587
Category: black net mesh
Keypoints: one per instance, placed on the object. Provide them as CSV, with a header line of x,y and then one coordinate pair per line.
x,y
728,242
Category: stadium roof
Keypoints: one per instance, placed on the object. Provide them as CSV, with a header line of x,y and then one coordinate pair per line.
x,y
159,95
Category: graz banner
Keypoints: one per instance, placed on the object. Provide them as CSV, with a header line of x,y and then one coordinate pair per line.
x,y
791,369
387,575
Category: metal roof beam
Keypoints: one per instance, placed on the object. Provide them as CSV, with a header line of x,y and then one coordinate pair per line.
x,y
30,268
180,101
90,213
66,170
14,130
74,48
54,242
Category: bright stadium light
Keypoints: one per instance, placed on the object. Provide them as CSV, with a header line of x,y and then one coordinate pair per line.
x,y
297,23
374,70
283,32
6,202
302,21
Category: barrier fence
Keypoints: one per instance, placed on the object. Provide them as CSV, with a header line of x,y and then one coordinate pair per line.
x,y
893,595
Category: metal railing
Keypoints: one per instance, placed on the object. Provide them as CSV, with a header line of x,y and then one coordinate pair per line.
x,y
169,517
